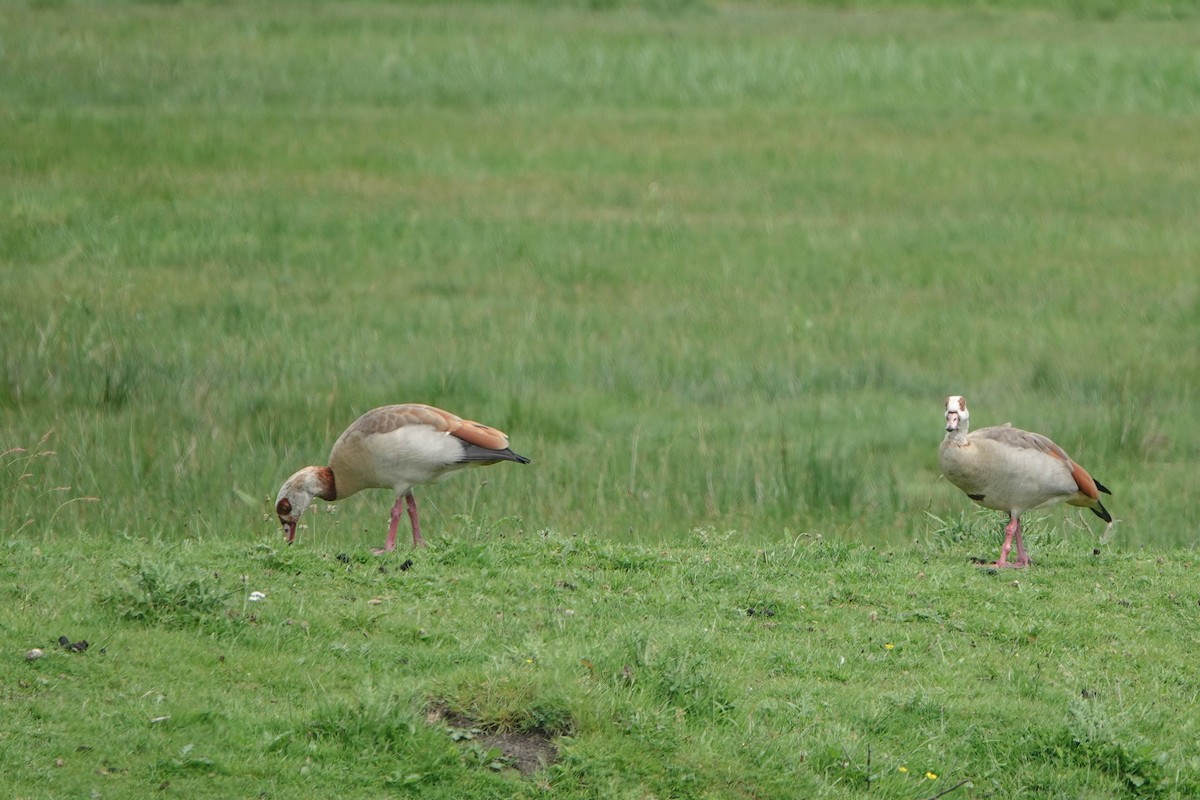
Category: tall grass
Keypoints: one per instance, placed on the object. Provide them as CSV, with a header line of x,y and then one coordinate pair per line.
x,y
708,265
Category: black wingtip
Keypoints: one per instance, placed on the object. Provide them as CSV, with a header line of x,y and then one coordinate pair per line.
x,y
1100,511
473,454
1102,487
517,457
508,455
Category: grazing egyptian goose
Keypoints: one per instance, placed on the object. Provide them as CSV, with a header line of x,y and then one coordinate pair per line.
x,y
1012,470
393,447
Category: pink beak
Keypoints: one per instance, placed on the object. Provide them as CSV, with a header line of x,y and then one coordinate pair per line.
x,y
951,421
289,530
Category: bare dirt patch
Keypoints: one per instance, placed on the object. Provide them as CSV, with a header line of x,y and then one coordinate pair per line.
x,y
527,751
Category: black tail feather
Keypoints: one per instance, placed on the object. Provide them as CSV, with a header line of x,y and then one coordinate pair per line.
x,y
474,454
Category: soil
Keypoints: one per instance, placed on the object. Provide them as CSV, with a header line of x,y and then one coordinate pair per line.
x,y
528,751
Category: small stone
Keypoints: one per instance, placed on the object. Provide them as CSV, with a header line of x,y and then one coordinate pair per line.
x,y
34,654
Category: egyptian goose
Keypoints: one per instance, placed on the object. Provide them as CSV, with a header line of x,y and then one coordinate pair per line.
x,y
393,447
1012,470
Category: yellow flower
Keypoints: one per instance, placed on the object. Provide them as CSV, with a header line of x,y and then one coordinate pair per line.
x,y
931,776
889,646
902,769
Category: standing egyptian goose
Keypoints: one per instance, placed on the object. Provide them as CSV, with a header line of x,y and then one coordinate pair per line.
x,y
1012,470
393,447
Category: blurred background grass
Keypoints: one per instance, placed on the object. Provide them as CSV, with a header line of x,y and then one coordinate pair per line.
x,y
708,264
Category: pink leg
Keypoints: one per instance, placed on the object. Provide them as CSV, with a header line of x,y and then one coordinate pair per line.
x,y
412,515
1012,531
1022,556
391,540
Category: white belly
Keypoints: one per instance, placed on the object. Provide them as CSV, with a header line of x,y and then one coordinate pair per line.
x,y
399,459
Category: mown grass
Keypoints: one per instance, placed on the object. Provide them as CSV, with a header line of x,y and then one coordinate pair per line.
x,y
714,268
693,261
702,669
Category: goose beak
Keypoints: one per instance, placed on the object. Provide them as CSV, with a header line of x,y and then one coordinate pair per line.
x,y
951,421
289,530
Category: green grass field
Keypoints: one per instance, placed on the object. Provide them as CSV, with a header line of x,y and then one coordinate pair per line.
x,y
714,268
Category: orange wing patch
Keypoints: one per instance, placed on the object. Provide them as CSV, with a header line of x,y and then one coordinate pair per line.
x,y
1084,481
481,435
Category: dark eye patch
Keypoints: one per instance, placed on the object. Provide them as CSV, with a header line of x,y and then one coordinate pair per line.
x,y
283,507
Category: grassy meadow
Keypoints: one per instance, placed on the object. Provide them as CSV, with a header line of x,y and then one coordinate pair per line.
x,y
713,267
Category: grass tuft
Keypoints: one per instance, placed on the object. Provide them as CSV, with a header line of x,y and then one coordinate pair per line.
x,y
508,703
375,722
1096,739
171,596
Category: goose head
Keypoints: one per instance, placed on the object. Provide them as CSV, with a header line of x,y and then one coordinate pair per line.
x,y
957,415
298,491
